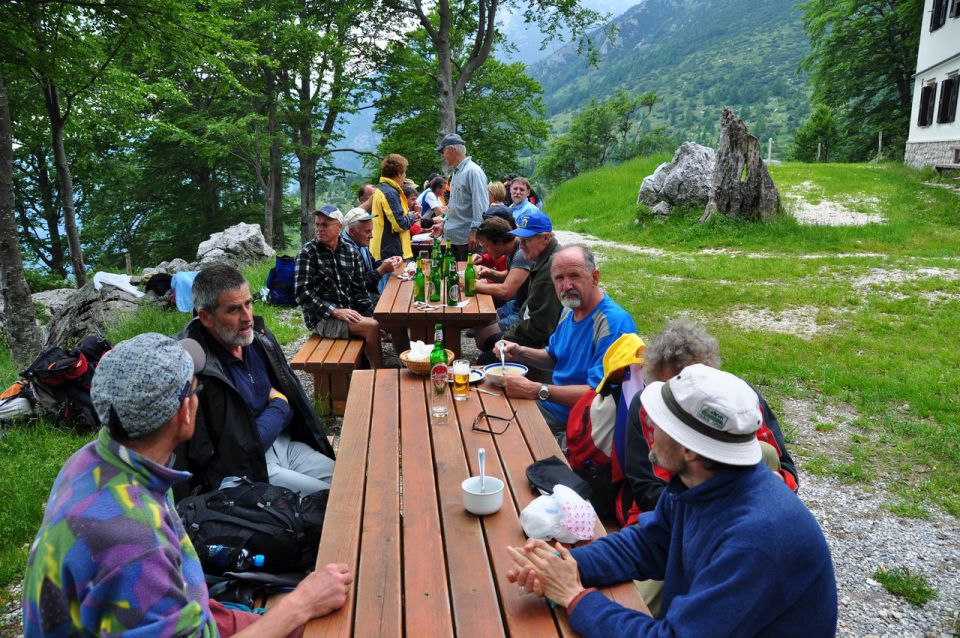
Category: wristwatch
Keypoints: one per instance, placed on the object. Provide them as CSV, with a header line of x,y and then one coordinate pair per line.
x,y
544,392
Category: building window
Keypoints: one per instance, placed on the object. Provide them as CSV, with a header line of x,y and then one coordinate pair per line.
x,y
955,9
927,95
939,15
947,111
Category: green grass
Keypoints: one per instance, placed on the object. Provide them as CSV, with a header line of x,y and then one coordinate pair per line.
x,y
899,581
886,351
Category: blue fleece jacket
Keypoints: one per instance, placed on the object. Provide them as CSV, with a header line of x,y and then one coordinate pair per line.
x,y
739,555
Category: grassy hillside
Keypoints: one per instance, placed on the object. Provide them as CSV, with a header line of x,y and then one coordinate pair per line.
x,y
698,56
851,321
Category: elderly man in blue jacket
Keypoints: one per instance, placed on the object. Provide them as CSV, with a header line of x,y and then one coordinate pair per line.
x,y
738,552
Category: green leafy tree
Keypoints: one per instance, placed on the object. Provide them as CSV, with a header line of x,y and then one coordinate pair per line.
x,y
461,36
596,133
863,56
500,114
817,139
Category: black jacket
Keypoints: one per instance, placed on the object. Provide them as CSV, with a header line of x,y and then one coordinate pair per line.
x,y
226,441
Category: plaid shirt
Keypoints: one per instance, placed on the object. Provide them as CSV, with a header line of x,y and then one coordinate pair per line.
x,y
330,279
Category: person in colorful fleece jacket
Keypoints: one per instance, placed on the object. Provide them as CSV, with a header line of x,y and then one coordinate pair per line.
x,y
738,552
112,557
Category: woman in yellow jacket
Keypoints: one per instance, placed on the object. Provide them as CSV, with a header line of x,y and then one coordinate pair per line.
x,y
391,221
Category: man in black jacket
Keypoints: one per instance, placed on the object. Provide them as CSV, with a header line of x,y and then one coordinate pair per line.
x,y
254,419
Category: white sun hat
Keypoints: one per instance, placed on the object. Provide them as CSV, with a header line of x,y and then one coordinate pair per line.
x,y
708,411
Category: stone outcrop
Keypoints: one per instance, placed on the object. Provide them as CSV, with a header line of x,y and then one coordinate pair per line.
x,y
683,181
52,301
741,185
88,311
240,244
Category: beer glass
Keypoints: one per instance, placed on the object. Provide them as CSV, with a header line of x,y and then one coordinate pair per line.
x,y
461,379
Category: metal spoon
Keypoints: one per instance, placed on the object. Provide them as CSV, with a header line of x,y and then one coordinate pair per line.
x,y
503,361
482,461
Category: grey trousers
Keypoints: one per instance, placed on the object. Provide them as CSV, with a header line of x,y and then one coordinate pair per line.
x,y
297,466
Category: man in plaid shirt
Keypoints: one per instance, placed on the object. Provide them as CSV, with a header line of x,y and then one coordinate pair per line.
x,y
330,286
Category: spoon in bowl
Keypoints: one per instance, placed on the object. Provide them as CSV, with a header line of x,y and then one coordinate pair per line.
x,y
482,461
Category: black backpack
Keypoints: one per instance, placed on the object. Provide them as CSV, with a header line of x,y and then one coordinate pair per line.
x,y
280,280
60,382
260,518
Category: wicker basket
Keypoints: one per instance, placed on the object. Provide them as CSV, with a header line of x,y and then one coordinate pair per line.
x,y
420,367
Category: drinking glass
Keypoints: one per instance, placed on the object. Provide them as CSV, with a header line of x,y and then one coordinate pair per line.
x,y
461,379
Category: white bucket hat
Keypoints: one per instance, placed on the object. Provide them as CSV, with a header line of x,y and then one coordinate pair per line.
x,y
708,411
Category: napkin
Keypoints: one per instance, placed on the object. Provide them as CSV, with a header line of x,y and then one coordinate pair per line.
x,y
420,351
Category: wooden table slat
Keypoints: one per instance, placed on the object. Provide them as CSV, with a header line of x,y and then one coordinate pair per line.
x,y
304,354
524,615
379,586
340,541
426,594
473,591
337,348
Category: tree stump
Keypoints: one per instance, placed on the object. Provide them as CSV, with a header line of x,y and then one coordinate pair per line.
x,y
741,185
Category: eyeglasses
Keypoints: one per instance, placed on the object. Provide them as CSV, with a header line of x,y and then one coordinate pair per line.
x,y
189,392
493,423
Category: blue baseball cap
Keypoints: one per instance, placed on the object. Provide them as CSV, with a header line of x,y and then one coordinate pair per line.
x,y
532,224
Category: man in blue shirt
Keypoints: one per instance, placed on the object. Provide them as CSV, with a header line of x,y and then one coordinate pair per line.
x,y
589,323
468,196
738,553
520,194
357,231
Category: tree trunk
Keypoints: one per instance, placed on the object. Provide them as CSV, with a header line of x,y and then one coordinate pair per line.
x,y
50,215
447,99
51,98
17,304
276,199
307,159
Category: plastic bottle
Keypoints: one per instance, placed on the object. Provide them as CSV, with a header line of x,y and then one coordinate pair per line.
x,y
233,559
438,375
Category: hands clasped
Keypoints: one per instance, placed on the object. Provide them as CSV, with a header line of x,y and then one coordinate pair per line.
x,y
547,571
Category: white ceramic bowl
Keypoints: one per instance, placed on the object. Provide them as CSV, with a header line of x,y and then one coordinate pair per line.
x,y
482,503
495,374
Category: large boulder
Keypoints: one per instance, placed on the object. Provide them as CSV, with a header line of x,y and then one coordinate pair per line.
x,y
685,180
52,301
89,311
240,244
741,185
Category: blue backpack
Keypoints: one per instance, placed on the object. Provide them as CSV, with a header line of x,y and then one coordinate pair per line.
x,y
280,282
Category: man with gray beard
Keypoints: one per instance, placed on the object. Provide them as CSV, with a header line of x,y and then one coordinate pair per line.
x,y
254,419
589,323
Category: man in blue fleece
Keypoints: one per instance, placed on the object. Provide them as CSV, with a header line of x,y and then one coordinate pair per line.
x,y
738,552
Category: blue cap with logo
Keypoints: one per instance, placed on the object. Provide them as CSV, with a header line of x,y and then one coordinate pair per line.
x,y
450,139
532,224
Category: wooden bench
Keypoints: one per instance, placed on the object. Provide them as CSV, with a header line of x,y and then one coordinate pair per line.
x,y
943,168
331,362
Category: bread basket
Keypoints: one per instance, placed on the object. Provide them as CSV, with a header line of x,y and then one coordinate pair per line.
x,y
421,367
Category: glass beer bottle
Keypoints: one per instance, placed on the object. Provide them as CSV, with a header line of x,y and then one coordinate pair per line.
x,y
419,284
453,285
438,375
470,280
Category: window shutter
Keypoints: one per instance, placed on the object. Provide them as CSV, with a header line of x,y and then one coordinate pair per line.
x,y
946,90
924,99
952,106
955,8
939,16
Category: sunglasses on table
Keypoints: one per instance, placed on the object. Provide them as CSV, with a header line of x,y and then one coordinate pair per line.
x,y
494,424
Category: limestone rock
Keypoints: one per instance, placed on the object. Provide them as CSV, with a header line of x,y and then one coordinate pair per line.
x,y
240,244
88,311
53,300
741,185
661,209
684,180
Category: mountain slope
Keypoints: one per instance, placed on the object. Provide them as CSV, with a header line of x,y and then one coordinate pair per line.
x,y
698,56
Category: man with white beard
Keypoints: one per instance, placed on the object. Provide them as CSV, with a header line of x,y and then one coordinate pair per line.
x,y
589,323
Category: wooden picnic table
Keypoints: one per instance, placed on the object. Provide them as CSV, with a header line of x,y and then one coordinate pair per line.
x,y
424,566
395,309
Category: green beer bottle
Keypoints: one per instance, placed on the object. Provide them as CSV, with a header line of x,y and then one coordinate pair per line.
x,y
447,258
438,375
436,281
419,284
453,285
470,279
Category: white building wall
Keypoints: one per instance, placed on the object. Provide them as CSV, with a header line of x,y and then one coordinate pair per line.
x,y
937,58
